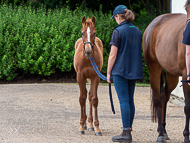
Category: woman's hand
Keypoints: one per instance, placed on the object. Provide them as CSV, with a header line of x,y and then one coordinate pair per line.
x,y
188,78
188,61
108,77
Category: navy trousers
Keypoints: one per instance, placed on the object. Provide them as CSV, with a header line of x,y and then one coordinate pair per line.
x,y
125,92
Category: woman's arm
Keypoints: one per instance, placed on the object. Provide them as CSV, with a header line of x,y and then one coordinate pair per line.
x,y
188,60
111,61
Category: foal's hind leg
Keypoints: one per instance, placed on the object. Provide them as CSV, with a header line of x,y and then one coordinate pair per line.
x,y
171,83
82,99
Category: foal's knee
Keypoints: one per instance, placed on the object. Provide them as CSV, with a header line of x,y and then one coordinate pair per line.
x,y
82,100
94,101
90,95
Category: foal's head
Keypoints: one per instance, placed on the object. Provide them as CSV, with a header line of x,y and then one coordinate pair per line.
x,y
187,8
88,34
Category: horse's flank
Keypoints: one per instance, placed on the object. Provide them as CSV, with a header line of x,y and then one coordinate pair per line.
x,y
166,33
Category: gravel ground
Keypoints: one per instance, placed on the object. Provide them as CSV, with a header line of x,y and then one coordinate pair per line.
x,y
50,113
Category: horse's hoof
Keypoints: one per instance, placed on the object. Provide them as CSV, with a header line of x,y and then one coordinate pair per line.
x,y
186,141
166,136
161,139
81,132
91,128
98,133
85,127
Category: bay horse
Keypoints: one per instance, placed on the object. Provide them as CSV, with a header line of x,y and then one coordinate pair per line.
x,y
86,46
163,49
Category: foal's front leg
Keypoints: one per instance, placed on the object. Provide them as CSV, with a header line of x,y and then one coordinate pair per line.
x,y
90,118
94,102
82,100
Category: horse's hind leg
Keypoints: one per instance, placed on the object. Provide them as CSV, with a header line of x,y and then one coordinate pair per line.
x,y
186,89
94,102
171,83
155,72
90,118
82,99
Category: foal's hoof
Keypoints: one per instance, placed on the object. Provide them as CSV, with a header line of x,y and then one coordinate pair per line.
x,y
98,133
91,128
81,132
161,139
166,136
85,127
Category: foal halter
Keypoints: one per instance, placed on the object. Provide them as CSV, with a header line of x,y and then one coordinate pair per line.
x,y
88,42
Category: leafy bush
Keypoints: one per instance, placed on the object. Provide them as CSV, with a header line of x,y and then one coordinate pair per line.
x,y
41,41
35,41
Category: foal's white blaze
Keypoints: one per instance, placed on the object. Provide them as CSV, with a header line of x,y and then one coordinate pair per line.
x,y
88,35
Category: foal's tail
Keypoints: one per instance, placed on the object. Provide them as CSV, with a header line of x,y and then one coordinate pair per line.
x,y
155,104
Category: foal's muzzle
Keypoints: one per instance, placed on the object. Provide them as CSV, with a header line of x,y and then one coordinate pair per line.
x,y
88,53
88,50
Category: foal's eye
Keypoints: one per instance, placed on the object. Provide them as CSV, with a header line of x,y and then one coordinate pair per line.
x,y
82,33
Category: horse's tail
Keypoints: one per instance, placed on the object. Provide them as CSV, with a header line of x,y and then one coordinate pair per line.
x,y
154,103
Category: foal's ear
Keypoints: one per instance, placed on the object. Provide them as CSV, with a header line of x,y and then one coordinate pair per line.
x,y
83,20
93,19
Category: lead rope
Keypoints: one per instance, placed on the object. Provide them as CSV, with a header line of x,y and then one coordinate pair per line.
x,y
103,78
186,81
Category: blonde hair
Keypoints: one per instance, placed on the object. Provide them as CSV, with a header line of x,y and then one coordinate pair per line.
x,y
128,15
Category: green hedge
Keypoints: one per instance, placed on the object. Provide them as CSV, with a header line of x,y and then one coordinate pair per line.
x,y
40,41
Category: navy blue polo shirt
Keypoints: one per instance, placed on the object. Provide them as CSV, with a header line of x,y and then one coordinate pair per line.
x,y
186,35
128,39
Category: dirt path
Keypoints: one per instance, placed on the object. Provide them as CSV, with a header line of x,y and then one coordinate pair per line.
x,y
50,113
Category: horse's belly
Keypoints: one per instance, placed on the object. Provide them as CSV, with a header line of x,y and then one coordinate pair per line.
x,y
169,58
171,66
